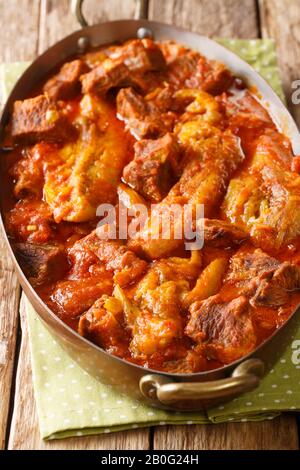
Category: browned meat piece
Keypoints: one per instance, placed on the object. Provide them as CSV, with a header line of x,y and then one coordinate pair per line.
x,y
265,280
125,264
245,266
222,234
31,221
72,297
66,83
287,276
107,75
103,324
143,118
150,173
275,290
269,294
37,119
182,67
245,112
141,55
210,76
41,263
163,99
131,105
223,329
125,66
127,267
203,181
190,69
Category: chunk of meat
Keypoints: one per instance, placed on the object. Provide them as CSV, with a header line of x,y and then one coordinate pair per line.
x,y
163,99
32,221
142,117
140,55
65,84
223,329
181,66
246,116
124,66
219,233
247,265
150,173
190,69
210,76
41,263
275,290
37,119
104,324
131,105
126,266
72,297
265,280
29,171
203,181
109,74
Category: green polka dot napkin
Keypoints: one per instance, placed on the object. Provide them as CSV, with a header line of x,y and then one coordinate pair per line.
x,y
72,403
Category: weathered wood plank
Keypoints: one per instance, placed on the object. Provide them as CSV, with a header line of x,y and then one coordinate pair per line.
x,y
57,20
280,434
280,19
230,18
9,304
16,22
19,21
25,430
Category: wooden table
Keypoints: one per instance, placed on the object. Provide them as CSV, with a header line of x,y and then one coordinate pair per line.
x,y
28,27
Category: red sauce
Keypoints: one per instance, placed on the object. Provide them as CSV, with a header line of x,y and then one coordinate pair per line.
x,y
54,188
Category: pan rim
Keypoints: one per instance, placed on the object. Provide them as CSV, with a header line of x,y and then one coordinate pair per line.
x,y
28,289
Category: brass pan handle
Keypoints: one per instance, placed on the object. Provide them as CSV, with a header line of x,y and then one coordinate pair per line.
x,y
200,395
141,11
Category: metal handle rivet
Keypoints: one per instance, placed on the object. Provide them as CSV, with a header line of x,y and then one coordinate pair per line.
x,y
83,44
143,33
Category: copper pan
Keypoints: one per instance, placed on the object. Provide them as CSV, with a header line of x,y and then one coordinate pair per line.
x,y
171,391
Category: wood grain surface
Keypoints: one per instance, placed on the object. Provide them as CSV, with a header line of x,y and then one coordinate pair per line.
x,y
57,20
280,19
19,29
278,434
229,18
9,306
31,26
